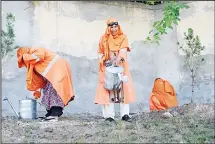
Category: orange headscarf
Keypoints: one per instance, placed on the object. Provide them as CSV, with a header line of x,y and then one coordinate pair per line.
x,y
163,86
114,43
20,52
33,79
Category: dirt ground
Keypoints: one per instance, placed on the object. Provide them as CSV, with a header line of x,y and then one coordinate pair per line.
x,y
186,124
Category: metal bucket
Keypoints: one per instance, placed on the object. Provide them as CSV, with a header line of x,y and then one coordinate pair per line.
x,y
113,78
28,109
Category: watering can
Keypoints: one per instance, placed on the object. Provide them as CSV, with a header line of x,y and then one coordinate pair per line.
x,y
27,108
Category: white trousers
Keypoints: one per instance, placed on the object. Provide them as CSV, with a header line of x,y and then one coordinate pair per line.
x,y
108,110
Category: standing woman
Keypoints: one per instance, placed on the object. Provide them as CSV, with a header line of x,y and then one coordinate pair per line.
x,y
51,74
113,48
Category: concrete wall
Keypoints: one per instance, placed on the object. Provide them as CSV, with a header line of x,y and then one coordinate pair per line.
x,y
73,30
199,17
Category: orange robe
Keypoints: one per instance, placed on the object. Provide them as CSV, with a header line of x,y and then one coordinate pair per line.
x,y
49,65
163,96
107,43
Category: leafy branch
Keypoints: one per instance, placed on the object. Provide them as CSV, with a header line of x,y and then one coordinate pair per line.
x,y
171,13
8,37
151,2
35,3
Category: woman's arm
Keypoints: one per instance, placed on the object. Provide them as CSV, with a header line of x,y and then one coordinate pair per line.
x,y
121,56
101,56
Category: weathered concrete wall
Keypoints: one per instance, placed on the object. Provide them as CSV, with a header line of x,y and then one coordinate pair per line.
x,y
74,28
13,83
199,17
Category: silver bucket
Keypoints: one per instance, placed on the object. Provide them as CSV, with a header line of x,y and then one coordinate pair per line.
x,y
28,109
113,78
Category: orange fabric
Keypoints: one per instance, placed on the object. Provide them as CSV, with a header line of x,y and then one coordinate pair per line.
x,y
163,96
20,53
33,80
115,44
58,72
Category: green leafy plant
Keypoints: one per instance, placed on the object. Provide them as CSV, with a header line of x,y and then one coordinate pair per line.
x,y
151,2
35,3
7,39
8,36
193,61
171,13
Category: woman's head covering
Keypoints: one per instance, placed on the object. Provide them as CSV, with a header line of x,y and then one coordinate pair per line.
x,y
20,52
112,43
111,22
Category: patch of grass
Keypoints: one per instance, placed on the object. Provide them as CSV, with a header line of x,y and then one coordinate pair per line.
x,y
189,127
193,129
80,140
28,131
199,133
198,137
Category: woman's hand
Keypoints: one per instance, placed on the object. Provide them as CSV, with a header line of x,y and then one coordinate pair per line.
x,y
118,61
37,95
